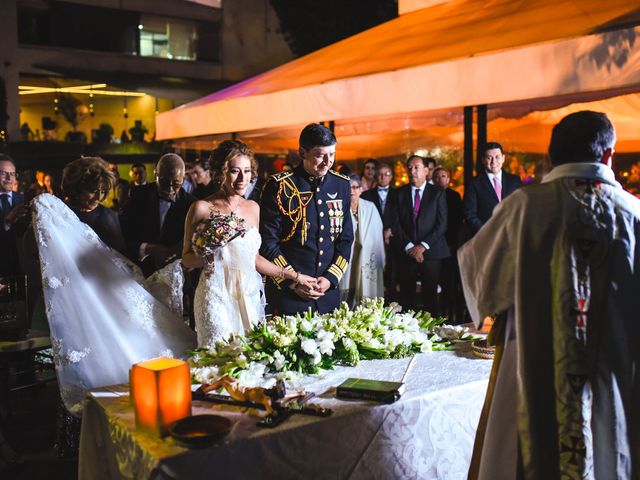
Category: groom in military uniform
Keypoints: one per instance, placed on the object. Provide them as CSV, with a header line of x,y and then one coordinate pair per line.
x,y
306,226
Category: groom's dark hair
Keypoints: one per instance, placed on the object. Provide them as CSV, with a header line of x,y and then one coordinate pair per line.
x,y
316,135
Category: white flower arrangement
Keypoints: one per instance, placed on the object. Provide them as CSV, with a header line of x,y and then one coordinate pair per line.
x,y
285,347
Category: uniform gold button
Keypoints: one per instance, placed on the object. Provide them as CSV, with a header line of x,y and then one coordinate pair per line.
x,y
319,202
321,214
321,228
321,252
321,240
319,264
318,189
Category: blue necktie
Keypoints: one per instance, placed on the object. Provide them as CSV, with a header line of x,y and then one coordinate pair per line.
x,y
6,206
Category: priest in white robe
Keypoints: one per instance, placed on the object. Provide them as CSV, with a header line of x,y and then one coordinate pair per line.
x,y
559,264
364,275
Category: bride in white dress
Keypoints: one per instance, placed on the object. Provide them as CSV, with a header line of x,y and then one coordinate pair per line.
x,y
229,296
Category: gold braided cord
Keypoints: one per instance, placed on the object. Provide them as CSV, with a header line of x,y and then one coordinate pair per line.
x,y
297,213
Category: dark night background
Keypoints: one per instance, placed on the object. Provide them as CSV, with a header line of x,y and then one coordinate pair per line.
x,y
309,25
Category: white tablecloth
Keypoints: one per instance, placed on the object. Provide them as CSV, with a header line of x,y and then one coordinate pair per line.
x,y
427,434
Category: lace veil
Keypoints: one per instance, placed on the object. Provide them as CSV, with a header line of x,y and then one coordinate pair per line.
x,y
101,314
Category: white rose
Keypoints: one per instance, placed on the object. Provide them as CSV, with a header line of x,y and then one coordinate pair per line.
x,y
206,375
326,346
278,360
241,360
309,346
257,368
427,346
317,358
374,343
348,343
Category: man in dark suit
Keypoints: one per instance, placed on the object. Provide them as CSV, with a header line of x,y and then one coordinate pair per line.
x,y
153,219
420,223
452,300
488,189
384,197
12,208
305,225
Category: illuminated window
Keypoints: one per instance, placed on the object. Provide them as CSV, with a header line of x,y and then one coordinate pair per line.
x,y
167,38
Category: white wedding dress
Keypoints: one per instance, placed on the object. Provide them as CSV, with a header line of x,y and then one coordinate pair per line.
x,y
102,315
230,299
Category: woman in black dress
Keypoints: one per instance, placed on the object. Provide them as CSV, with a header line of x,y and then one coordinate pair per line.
x,y
85,183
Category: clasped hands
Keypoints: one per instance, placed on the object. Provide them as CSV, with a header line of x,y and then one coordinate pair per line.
x,y
310,288
417,253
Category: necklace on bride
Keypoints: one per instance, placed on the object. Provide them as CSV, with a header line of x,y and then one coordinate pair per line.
x,y
231,208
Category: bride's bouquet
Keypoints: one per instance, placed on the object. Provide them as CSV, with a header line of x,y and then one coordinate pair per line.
x,y
216,232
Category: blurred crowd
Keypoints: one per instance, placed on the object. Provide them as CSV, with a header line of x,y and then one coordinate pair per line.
x,y
405,243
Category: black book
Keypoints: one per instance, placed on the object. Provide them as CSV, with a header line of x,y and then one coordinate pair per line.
x,y
365,389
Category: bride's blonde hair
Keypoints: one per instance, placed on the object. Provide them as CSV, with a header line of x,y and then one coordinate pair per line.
x,y
227,151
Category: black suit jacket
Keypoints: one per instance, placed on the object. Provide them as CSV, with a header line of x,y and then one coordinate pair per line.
x,y
480,198
9,263
389,207
140,222
431,224
454,218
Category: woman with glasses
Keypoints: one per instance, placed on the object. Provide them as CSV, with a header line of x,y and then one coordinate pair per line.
x,y
85,184
364,275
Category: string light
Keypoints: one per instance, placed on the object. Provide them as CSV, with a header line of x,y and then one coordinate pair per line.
x,y
80,89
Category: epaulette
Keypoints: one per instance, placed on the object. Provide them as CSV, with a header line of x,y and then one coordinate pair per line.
x,y
281,176
338,174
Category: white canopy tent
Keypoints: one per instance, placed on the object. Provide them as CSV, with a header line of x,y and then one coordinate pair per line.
x,y
394,87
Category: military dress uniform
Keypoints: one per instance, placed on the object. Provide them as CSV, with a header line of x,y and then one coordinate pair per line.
x,y
305,227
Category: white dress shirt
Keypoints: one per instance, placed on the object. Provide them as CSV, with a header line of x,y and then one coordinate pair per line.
x,y
420,189
495,175
383,193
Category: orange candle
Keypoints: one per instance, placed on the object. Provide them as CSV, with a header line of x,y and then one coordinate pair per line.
x,y
161,393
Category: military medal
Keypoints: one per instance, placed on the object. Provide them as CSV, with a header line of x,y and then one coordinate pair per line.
x,y
335,216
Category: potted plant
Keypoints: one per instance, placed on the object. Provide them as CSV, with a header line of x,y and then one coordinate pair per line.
x,y
73,112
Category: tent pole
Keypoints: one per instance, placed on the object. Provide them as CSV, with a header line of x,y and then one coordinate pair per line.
x,y
468,145
481,138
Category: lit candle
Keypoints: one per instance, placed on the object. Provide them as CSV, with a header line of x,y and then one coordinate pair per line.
x,y
161,393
